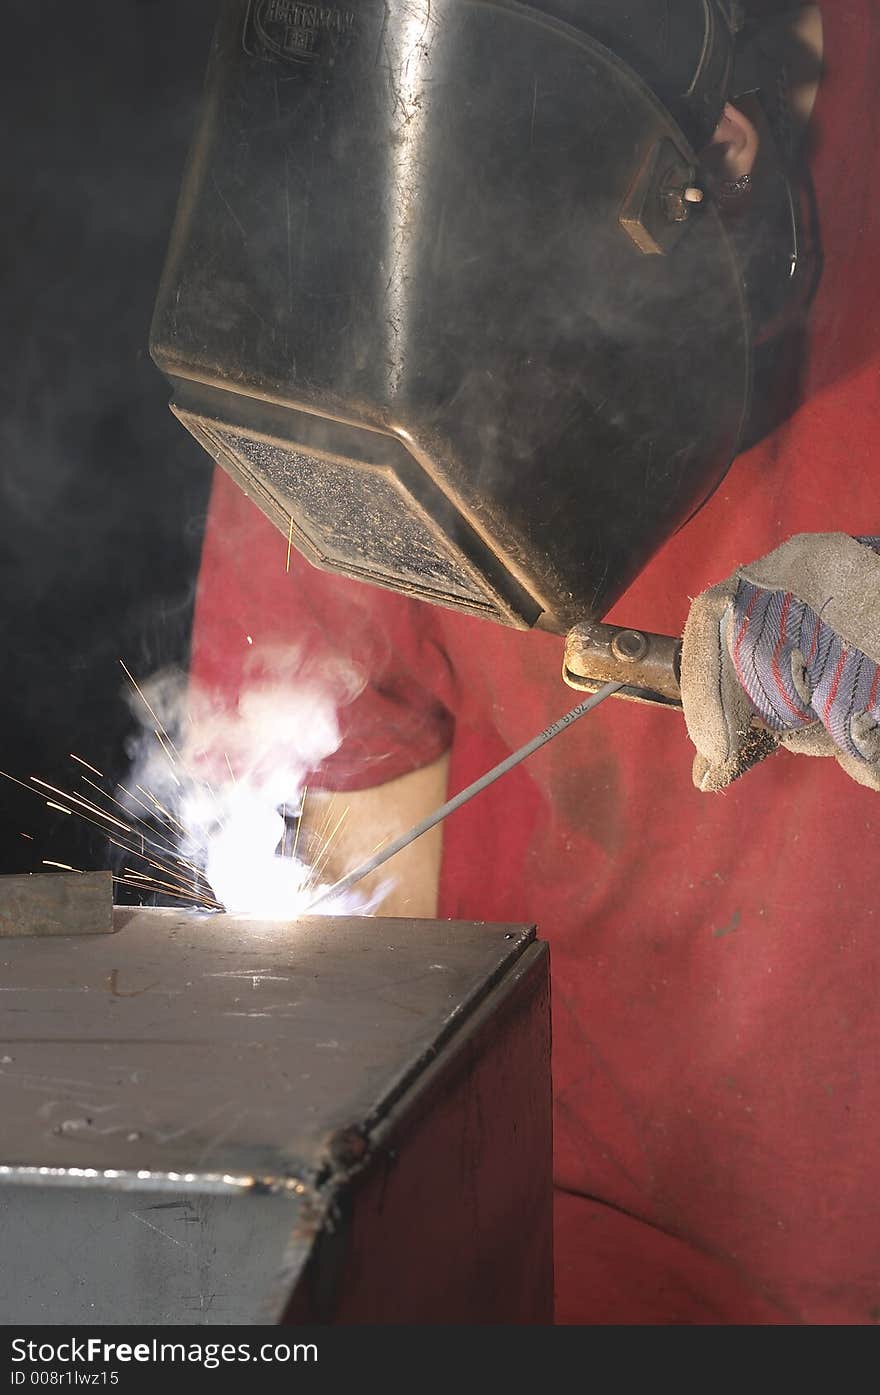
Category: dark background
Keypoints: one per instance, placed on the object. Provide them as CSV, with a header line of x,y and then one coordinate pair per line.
x,y
102,492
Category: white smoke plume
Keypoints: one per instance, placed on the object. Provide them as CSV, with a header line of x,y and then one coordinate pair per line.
x,y
228,781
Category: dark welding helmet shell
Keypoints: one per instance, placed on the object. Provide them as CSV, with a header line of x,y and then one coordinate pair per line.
x,y
442,298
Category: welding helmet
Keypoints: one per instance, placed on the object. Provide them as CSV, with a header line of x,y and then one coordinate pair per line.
x,y
451,297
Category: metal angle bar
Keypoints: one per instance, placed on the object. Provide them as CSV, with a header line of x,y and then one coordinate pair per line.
x,y
56,903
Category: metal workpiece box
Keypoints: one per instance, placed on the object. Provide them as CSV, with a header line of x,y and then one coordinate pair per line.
x,y
211,1119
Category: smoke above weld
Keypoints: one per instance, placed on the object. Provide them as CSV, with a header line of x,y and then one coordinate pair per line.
x,y
229,784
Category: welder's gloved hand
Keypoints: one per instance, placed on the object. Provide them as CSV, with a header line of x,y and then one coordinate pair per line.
x,y
793,641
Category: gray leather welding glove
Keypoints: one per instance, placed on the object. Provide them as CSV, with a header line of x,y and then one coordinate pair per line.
x,y
785,652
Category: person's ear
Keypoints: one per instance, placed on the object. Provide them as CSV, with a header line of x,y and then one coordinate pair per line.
x,y
734,144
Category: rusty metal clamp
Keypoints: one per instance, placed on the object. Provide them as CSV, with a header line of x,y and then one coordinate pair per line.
x,y
648,665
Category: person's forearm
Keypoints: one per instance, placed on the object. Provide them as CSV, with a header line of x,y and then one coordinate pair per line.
x,y
341,830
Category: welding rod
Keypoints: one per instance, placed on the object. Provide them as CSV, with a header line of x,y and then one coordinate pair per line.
x,y
352,878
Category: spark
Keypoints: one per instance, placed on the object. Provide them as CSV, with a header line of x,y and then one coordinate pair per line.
x,y
76,799
85,817
165,746
60,807
29,836
133,797
7,776
159,862
321,862
300,821
166,813
14,781
141,695
139,882
163,845
79,760
317,836
171,761
160,844
114,800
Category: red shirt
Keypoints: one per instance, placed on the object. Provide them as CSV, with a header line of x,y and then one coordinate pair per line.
x,y
715,984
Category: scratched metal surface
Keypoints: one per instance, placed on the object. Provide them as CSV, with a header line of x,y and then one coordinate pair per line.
x,y
220,1048
101,1255
171,1095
